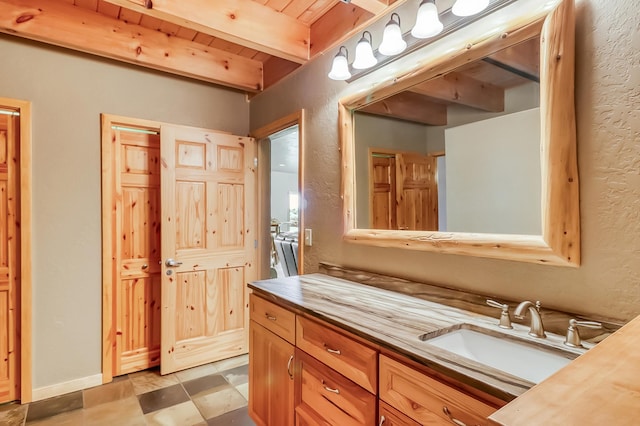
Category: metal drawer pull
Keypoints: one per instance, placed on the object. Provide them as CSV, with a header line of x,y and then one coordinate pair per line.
x,y
332,351
269,317
382,420
289,367
453,419
328,389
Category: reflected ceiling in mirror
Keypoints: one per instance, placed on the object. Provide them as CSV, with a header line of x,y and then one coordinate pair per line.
x,y
460,152
513,69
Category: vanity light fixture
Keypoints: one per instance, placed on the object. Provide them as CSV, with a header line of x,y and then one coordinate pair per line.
x,y
427,22
469,7
392,42
340,67
364,53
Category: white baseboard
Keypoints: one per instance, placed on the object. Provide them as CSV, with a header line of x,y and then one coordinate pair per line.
x,y
66,387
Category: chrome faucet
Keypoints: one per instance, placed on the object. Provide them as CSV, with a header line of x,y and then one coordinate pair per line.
x,y
537,329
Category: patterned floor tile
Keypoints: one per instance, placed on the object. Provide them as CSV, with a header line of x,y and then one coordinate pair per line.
x,y
244,390
150,380
181,414
162,398
52,406
107,393
218,403
239,417
237,376
13,414
196,372
70,418
209,384
124,412
229,363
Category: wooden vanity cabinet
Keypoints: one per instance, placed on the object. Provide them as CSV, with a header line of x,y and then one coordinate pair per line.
x,y
426,399
271,363
389,416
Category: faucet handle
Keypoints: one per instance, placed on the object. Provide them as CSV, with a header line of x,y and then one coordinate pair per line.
x,y
505,319
573,336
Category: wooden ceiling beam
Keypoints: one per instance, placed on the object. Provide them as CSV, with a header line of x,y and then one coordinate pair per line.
x,y
410,106
243,22
65,25
461,89
523,57
373,6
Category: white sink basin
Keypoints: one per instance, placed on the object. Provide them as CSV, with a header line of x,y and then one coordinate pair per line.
x,y
522,360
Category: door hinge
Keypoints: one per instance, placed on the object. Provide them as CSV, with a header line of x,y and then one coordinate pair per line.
x,y
255,161
255,244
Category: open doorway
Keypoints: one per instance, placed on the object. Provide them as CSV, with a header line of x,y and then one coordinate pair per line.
x,y
281,196
285,203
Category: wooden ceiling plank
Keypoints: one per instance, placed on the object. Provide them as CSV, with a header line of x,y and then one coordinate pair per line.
x,y
243,22
296,8
129,16
524,57
334,26
461,89
373,6
317,10
87,4
108,9
275,69
409,106
150,22
203,38
72,27
187,33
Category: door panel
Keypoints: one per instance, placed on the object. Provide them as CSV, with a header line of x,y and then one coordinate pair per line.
x,y
9,264
208,222
137,239
417,193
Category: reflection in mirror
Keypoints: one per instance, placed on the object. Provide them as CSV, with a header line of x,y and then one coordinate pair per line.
x,y
448,119
460,152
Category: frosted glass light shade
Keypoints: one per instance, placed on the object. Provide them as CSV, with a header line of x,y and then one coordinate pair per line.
x,y
392,42
340,66
469,7
364,54
427,22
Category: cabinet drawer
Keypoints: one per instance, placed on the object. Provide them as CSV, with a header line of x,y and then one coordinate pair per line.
x,y
278,320
426,399
390,417
326,397
345,355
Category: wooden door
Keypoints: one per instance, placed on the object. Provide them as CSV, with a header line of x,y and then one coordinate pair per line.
x,y
271,383
383,192
208,211
136,245
416,192
9,259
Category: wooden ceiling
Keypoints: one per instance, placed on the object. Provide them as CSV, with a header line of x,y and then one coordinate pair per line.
x,y
244,44
480,85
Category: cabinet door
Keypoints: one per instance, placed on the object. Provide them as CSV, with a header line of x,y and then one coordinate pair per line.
x,y
388,416
270,378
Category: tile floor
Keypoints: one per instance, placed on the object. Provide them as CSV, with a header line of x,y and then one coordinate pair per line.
x,y
214,394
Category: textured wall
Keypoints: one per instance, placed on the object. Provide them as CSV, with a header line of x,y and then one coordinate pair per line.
x,y
608,121
68,92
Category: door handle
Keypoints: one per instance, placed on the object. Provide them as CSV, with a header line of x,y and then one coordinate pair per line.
x,y
172,263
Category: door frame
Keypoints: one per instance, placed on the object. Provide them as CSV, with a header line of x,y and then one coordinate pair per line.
x,y
26,293
108,243
296,118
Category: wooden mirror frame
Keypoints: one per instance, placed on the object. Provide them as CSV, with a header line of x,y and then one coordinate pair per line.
x,y
559,243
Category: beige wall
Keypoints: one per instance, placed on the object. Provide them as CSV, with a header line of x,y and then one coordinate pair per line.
x,y
608,120
68,92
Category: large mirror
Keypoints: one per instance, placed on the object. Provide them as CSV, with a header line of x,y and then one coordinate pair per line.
x,y
471,151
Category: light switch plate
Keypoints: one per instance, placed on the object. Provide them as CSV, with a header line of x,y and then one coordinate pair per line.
x,y
308,241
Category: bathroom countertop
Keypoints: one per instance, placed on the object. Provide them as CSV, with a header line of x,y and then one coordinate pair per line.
x,y
394,321
602,387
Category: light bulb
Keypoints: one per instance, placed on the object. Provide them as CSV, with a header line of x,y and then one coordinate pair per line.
x,y
469,7
340,67
427,22
364,53
392,42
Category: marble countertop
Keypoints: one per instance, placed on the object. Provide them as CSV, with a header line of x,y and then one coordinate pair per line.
x,y
395,321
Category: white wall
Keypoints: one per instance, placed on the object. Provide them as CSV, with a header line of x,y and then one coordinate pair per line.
x,y
281,184
68,92
493,175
